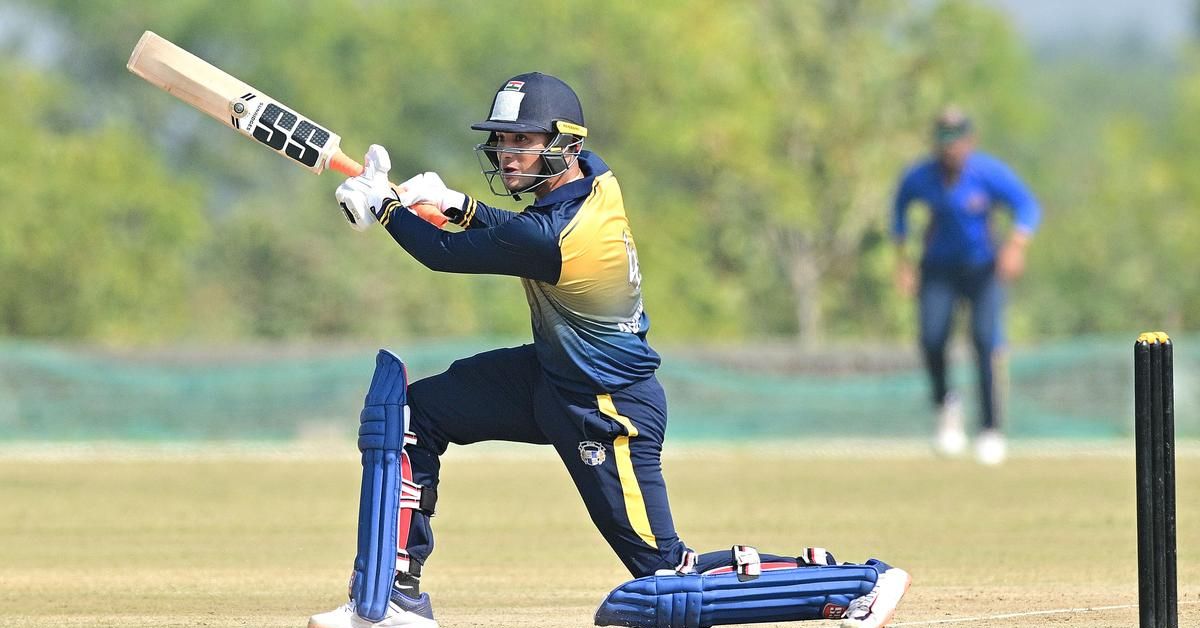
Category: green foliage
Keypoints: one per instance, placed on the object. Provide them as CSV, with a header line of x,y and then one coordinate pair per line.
x,y
97,239
758,145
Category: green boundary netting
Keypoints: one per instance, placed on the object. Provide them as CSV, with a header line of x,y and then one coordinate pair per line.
x,y
1078,389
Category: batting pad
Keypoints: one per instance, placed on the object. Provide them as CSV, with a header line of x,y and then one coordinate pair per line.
x,y
384,420
700,601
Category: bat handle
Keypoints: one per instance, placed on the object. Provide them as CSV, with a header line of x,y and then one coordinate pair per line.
x,y
344,164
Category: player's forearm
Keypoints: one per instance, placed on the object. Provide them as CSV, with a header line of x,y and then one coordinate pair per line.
x,y
901,247
1026,217
423,241
1020,238
470,252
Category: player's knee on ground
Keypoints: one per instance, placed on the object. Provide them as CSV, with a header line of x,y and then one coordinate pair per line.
x,y
741,586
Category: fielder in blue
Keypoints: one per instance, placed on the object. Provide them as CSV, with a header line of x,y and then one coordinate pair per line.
x,y
586,386
961,187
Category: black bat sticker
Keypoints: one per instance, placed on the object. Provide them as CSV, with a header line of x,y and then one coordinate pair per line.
x,y
285,130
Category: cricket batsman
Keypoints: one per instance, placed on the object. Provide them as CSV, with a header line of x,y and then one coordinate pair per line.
x,y
586,385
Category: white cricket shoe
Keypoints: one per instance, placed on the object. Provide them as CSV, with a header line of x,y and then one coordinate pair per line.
x,y
951,437
336,618
990,448
402,612
876,608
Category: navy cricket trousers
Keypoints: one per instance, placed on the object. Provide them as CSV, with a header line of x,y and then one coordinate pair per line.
x,y
941,289
609,443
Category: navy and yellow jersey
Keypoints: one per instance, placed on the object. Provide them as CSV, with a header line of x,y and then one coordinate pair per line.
x,y
575,255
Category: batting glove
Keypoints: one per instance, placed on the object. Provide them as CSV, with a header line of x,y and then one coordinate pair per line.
x,y
361,198
427,187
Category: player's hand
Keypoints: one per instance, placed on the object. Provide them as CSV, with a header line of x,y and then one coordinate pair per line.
x,y
906,279
1010,263
427,188
361,198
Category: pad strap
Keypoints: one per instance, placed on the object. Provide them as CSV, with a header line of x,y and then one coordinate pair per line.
x,y
687,564
816,556
405,563
746,562
413,497
417,497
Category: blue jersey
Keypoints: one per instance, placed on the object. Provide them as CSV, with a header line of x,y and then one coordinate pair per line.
x,y
575,255
959,234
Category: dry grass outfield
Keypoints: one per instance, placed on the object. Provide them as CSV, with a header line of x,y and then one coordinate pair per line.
x,y
262,542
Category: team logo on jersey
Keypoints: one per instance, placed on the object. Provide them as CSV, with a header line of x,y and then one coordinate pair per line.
x,y
513,86
977,202
592,453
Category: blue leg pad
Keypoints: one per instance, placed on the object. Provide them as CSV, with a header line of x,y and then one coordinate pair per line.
x,y
700,601
380,439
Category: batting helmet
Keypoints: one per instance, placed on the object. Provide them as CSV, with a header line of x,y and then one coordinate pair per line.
x,y
533,103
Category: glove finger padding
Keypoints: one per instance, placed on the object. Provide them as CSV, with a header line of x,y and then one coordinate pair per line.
x,y
428,188
361,198
421,188
377,164
355,206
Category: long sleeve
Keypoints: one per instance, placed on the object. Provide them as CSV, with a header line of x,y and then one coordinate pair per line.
x,y
1005,184
476,215
904,197
522,246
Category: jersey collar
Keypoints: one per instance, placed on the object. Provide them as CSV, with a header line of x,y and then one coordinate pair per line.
x,y
592,167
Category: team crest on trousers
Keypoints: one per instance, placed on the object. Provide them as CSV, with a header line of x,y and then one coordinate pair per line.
x,y
592,453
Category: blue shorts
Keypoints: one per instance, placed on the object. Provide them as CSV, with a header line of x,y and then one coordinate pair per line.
x,y
610,444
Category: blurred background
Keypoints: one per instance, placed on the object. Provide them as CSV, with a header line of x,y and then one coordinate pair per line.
x,y
162,278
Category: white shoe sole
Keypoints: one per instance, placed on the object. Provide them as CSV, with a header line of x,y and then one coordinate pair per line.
x,y
951,444
991,449
891,586
336,618
391,620
951,438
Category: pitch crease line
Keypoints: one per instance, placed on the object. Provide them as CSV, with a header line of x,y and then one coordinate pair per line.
x,y
963,620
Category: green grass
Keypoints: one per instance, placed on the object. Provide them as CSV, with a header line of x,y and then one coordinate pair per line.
x,y
244,540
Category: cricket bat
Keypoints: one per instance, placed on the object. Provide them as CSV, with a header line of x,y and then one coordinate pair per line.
x,y
247,110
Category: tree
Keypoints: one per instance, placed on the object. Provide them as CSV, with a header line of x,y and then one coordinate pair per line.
x,y
758,145
98,238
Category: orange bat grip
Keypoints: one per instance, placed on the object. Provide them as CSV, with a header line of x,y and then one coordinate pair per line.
x,y
344,164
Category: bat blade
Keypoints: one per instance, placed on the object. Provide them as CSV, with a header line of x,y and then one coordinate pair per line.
x,y
251,112
238,105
